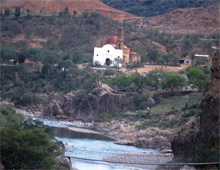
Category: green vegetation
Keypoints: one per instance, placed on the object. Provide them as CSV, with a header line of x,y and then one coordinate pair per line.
x,y
172,80
26,144
175,103
149,8
105,117
198,77
171,112
208,154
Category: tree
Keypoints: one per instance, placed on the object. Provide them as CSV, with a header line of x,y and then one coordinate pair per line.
x,y
1,14
27,149
198,78
17,12
172,80
7,12
170,58
28,13
65,13
153,56
123,81
85,14
8,53
154,78
74,12
139,81
26,144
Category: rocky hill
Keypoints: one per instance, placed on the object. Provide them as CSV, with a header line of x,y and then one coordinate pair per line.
x,y
202,20
199,141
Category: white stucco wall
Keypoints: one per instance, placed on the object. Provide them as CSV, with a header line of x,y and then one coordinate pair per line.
x,y
108,51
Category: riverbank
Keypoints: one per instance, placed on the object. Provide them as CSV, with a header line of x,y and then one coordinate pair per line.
x,y
122,131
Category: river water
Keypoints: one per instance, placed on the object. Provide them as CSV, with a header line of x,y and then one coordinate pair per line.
x,y
87,149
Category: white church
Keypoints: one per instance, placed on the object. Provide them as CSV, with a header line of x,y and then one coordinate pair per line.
x,y
114,53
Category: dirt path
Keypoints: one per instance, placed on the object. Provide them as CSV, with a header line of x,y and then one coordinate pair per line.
x,y
148,68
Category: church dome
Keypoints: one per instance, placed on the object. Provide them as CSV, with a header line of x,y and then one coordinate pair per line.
x,y
112,40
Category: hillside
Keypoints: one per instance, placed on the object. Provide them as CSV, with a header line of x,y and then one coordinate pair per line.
x,y
80,6
202,20
150,8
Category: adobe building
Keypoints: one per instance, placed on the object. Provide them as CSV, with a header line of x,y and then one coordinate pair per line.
x,y
113,51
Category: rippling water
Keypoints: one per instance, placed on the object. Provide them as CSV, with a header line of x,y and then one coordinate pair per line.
x,y
82,147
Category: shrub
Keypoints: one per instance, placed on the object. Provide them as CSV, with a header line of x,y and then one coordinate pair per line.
x,y
141,102
208,154
30,98
105,117
198,112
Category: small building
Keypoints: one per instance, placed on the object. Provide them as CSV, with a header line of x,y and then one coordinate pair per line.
x,y
185,61
114,53
13,62
190,88
202,56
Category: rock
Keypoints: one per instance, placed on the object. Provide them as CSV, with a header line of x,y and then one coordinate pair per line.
x,y
187,168
102,100
151,101
65,162
195,137
154,138
54,109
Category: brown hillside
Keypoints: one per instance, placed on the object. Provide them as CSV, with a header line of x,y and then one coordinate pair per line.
x,y
202,20
189,20
49,6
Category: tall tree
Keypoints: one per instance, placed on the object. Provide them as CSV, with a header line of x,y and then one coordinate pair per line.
x,y
17,11
7,12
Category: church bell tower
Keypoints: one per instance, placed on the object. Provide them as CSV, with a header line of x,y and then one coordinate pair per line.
x,y
120,39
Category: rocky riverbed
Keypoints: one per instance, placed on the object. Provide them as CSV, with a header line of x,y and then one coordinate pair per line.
x,y
124,132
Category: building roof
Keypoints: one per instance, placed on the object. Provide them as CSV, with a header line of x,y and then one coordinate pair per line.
x,y
186,59
201,55
112,40
132,52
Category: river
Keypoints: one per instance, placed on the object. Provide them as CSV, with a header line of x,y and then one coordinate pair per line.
x,y
87,150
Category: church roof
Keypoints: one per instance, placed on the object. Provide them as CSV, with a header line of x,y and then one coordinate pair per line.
x,y
112,40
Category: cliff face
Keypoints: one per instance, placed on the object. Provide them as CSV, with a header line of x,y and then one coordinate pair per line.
x,y
71,106
194,138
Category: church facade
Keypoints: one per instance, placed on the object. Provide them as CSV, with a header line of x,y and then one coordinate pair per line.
x,y
114,53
